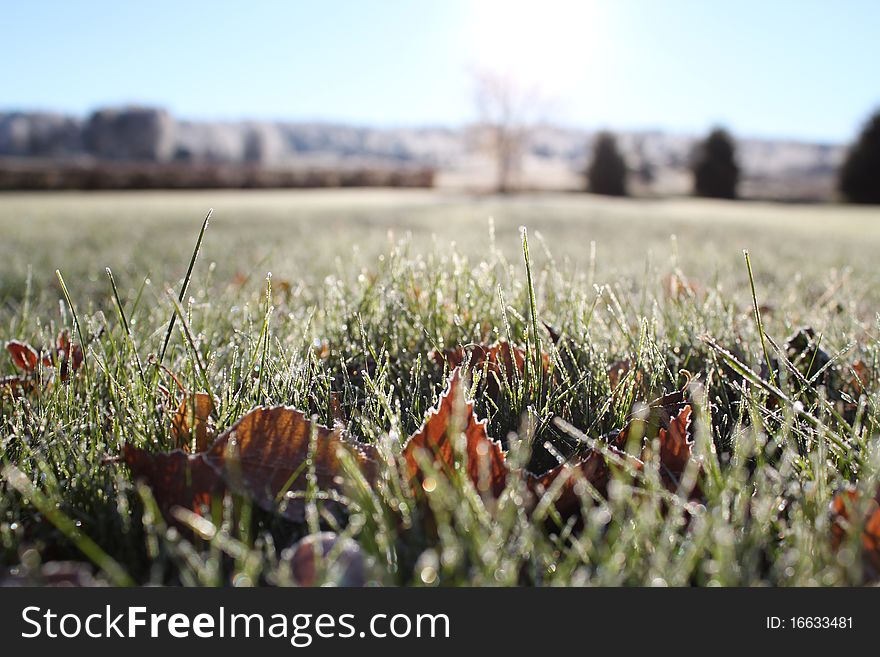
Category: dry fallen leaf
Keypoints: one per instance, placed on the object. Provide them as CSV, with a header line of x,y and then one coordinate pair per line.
x,y
803,349
14,385
676,447
336,409
592,469
24,356
647,420
66,355
669,418
502,362
271,452
451,421
264,455
26,359
623,378
193,419
69,354
618,370
176,478
844,502
861,376
486,462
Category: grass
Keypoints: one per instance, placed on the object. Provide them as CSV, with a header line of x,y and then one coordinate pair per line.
x,y
381,278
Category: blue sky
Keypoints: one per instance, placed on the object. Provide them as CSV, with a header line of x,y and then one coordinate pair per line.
x,y
784,68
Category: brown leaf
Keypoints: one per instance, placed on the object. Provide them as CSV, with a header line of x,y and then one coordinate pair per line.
x,y
321,349
861,376
501,358
452,419
336,409
267,454
593,469
668,406
502,362
176,478
554,333
14,386
264,456
658,415
803,350
668,418
193,418
70,355
24,356
844,502
676,446
675,454
618,371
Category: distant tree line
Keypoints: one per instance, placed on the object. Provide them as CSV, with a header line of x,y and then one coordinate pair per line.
x,y
716,173
150,136
102,174
145,148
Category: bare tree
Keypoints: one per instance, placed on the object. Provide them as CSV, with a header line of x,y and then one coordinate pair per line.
x,y
506,113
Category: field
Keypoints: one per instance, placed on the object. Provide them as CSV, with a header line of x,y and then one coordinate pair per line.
x,y
613,304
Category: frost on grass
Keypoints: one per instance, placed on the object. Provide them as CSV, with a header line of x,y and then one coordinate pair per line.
x,y
472,420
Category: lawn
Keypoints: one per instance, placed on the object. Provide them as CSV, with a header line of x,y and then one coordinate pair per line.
x,y
614,304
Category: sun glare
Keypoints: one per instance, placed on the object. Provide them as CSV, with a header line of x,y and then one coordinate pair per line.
x,y
541,42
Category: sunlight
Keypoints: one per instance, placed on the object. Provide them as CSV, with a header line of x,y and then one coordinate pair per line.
x,y
541,42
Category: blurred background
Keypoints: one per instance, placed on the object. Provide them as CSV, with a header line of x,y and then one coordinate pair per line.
x,y
746,99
